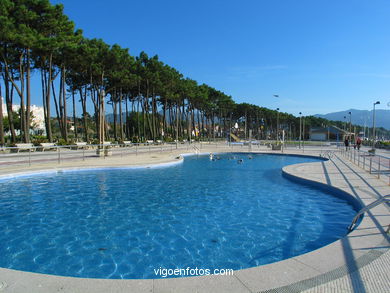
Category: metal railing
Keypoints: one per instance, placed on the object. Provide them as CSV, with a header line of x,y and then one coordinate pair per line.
x,y
383,199
373,163
196,149
33,155
29,155
328,154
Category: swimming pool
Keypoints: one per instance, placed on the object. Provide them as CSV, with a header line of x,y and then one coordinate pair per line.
x,y
126,223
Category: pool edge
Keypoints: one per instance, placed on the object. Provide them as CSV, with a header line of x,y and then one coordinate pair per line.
x,y
246,280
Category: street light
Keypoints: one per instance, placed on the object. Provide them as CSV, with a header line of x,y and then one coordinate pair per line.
x,y
350,123
300,129
345,123
277,124
303,133
373,125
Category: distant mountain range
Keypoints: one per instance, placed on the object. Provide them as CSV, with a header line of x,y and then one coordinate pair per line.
x,y
110,117
361,117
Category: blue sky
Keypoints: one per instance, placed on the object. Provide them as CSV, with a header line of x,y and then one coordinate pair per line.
x,y
319,56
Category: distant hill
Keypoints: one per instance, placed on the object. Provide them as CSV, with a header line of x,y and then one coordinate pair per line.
x,y
110,117
361,117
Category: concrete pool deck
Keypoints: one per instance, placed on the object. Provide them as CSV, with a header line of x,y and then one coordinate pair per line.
x,y
359,262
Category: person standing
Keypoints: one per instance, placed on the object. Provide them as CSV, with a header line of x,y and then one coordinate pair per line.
x,y
346,143
358,142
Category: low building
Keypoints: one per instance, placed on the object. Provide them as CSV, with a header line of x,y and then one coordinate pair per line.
x,y
38,117
327,133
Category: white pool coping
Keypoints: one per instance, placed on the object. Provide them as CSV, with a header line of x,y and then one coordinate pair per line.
x,y
348,252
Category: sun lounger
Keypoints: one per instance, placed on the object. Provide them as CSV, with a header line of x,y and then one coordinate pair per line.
x,y
25,147
127,143
81,145
47,146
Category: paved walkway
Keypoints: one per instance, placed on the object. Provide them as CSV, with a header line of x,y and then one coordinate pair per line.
x,y
357,263
366,249
375,277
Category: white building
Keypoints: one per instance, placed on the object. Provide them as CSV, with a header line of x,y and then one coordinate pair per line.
x,y
38,119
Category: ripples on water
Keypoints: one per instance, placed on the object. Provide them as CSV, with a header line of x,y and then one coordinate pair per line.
x,y
126,223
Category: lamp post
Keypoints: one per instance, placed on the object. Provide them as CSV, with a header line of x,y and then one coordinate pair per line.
x,y
303,133
345,123
277,121
277,124
373,126
350,122
300,129
230,129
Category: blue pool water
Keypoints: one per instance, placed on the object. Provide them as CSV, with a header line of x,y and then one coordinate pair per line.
x,y
124,223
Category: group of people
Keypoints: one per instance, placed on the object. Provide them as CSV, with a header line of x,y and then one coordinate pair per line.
x,y
357,143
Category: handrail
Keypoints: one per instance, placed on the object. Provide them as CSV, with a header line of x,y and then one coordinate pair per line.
x,y
327,154
383,199
197,150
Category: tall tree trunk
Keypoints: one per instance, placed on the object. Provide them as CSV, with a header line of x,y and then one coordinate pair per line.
x,y
64,109
43,88
213,125
143,120
58,108
97,114
177,119
170,117
154,118
183,117
2,141
148,119
204,124
48,91
199,124
193,120
177,124
189,123
83,98
120,116
8,97
20,91
8,101
23,126
246,124
74,116
132,126
138,122
164,118
115,108
127,133
28,95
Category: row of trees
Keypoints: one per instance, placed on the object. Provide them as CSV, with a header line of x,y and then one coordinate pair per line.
x,y
148,99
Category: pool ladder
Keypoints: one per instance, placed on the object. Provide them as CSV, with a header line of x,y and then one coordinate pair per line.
x,y
383,199
197,150
327,154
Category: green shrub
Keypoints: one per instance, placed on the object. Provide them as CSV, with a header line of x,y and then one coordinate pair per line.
x,y
38,139
62,141
168,139
95,141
